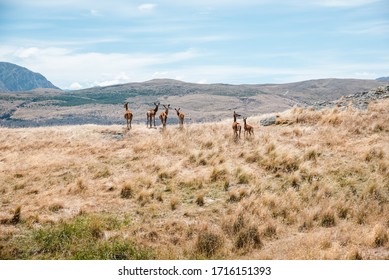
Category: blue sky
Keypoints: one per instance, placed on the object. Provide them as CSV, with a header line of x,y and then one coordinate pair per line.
x,y
78,44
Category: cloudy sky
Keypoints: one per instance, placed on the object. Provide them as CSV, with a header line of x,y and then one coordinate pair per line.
x,y
84,43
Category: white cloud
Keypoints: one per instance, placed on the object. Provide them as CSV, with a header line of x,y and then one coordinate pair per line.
x,y
146,7
95,13
160,74
67,68
26,52
36,53
75,86
119,79
366,75
344,3
367,28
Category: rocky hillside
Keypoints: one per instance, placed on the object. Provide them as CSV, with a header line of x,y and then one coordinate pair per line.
x,y
383,79
17,78
359,100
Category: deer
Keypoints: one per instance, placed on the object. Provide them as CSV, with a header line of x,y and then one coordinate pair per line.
x,y
247,128
181,117
236,127
151,115
128,115
163,115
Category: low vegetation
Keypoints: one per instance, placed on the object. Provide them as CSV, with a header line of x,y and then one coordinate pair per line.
x,y
314,188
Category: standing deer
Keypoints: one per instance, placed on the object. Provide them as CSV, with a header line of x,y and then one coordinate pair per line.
x,y
151,115
181,117
128,115
247,128
163,115
236,127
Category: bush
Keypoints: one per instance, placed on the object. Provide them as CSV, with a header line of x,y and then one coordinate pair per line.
x,y
327,219
248,238
126,192
209,243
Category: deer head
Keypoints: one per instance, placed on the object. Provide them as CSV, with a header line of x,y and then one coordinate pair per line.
x,y
236,115
166,108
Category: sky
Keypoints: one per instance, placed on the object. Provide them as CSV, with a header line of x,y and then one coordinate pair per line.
x,y
84,43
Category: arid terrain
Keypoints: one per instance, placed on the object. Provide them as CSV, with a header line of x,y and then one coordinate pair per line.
x,y
316,186
201,102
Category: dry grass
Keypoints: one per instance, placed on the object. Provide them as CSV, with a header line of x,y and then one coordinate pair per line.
x,y
314,189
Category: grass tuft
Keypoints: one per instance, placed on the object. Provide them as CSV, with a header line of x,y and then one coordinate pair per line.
x,y
126,192
209,243
327,219
379,236
248,238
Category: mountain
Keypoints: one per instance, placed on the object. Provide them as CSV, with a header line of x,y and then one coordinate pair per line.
x,y
301,92
17,78
383,79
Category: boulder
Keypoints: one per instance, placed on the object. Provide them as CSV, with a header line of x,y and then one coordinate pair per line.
x,y
268,121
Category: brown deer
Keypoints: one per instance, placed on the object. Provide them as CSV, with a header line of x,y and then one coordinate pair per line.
x,y
151,115
163,115
128,115
181,117
236,127
247,128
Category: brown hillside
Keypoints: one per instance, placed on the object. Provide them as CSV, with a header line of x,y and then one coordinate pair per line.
x,y
317,188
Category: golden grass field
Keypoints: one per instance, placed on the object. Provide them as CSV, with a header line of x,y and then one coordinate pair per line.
x,y
316,188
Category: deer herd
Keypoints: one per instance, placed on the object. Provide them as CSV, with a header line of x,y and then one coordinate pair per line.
x,y
150,115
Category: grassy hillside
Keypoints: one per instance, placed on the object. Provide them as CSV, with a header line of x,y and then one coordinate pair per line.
x,y
201,102
317,188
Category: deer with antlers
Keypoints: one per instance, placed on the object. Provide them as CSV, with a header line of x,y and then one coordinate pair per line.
x,y
128,115
163,115
180,116
247,128
151,115
236,127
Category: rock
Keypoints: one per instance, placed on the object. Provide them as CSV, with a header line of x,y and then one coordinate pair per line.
x,y
268,121
359,100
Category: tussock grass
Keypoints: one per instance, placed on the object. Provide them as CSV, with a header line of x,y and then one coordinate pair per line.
x,y
316,188
209,243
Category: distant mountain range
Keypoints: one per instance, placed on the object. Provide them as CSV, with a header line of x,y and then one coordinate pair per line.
x,y
17,78
38,102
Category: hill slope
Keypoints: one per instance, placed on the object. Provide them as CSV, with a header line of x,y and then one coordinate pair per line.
x,y
17,78
201,103
383,79
305,91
